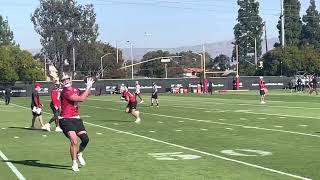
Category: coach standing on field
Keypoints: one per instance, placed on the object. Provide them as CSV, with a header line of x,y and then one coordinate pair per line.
x,y
70,122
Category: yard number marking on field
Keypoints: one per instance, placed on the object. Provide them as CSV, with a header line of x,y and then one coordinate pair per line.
x,y
244,152
173,156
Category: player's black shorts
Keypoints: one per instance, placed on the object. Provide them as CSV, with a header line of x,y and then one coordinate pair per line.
x,y
154,96
56,112
262,92
132,106
71,124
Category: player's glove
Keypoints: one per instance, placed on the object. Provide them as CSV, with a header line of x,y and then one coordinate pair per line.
x,y
89,83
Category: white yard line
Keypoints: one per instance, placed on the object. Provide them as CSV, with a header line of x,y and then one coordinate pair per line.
x,y
245,112
220,110
194,150
214,122
12,167
242,104
202,152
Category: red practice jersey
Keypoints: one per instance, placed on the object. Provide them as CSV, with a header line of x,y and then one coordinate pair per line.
x,y
262,84
69,108
35,100
130,97
55,97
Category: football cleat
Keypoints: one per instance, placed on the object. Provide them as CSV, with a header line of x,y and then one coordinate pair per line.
x,y
138,121
75,167
81,160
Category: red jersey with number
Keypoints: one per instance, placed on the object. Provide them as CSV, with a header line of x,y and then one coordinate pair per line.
x,y
69,108
130,97
262,84
55,97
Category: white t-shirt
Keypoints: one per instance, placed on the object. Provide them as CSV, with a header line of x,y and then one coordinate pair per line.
x,y
138,87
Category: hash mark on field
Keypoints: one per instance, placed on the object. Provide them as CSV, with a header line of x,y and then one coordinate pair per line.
x,y
16,137
160,122
44,136
178,130
85,116
181,121
204,129
303,125
98,133
3,128
115,123
207,111
278,126
229,129
221,119
243,119
262,118
281,117
152,131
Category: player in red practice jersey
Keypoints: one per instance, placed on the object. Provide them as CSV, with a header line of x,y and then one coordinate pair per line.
x,y
70,122
55,107
36,107
132,104
262,88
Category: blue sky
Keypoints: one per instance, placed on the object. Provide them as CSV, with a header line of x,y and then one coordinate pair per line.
x,y
167,23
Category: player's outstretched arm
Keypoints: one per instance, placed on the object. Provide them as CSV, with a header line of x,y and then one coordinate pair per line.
x,y
85,94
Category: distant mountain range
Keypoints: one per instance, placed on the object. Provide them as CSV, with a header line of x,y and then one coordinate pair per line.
x,y
214,49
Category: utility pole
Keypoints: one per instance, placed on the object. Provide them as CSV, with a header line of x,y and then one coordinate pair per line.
x,y
265,36
282,24
74,59
237,57
117,51
45,66
255,53
131,58
204,61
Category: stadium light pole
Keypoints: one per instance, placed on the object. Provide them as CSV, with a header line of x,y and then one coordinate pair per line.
x,y
102,64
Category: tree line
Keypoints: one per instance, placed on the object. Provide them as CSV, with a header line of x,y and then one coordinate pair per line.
x,y
302,40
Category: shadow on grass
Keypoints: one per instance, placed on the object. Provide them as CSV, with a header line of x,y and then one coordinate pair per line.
x,y
24,128
36,163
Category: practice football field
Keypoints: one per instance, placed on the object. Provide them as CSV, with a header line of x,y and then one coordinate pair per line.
x,y
189,137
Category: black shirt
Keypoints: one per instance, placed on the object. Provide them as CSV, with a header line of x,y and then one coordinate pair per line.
x,y
7,92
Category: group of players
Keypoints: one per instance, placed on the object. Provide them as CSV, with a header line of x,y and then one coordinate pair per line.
x,y
66,113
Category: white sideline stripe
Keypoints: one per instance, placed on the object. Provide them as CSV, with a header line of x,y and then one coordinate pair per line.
x,y
190,149
12,167
242,104
215,122
202,152
219,110
248,112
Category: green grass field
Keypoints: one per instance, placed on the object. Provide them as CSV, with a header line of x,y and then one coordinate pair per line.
x,y
189,137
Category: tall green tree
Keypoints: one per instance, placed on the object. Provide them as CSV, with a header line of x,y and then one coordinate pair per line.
x,y
290,60
6,35
64,25
311,26
248,28
220,62
156,68
16,64
293,23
